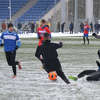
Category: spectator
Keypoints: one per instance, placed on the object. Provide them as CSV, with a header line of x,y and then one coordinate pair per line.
x,y
58,27
19,26
96,27
91,27
62,27
71,27
82,27
32,27
3,25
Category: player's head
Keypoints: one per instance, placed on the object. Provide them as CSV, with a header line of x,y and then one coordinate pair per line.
x,y
10,27
43,22
99,54
46,36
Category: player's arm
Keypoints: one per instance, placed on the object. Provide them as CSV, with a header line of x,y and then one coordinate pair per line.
x,y
38,35
96,36
48,31
88,29
1,44
18,42
1,40
59,45
38,52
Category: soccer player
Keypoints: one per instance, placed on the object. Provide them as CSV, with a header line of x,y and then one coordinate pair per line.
x,y
11,42
96,36
41,30
92,75
47,54
86,32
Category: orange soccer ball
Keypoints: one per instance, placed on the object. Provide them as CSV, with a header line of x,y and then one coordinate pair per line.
x,y
52,76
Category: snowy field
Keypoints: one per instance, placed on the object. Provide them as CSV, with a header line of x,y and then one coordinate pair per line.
x,y
32,82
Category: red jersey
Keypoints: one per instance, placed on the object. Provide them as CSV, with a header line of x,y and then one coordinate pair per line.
x,y
86,29
41,30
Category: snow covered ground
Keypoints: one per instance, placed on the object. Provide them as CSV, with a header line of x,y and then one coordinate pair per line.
x,y
32,82
34,35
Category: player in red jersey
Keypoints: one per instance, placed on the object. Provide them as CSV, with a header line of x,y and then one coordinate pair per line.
x,y
86,32
41,30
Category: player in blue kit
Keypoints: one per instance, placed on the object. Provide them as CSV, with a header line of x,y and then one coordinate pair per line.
x,y
11,42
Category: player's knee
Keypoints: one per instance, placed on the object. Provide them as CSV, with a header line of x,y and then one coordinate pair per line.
x,y
60,73
90,79
99,53
10,64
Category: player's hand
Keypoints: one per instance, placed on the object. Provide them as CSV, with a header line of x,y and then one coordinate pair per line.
x,y
94,34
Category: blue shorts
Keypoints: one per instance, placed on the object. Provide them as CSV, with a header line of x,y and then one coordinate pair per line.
x,y
86,35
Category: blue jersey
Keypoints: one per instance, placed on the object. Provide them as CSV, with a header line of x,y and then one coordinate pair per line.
x,y
11,40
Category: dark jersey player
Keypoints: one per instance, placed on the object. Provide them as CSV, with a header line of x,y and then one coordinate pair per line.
x,y
96,36
11,43
93,75
47,54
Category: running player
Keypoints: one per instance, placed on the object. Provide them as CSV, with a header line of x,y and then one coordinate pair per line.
x,y
11,43
47,54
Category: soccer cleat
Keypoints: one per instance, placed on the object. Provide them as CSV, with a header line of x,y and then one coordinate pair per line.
x,y
19,66
14,76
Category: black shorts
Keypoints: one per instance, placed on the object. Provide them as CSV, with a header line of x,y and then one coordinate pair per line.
x,y
11,56
53,65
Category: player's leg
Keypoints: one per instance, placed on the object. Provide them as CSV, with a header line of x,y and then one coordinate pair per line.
x,y
14,70
8,58
98,64
72,31
84,39
11,61
94,77
60,73
87,39
85,72
47,69
17,62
